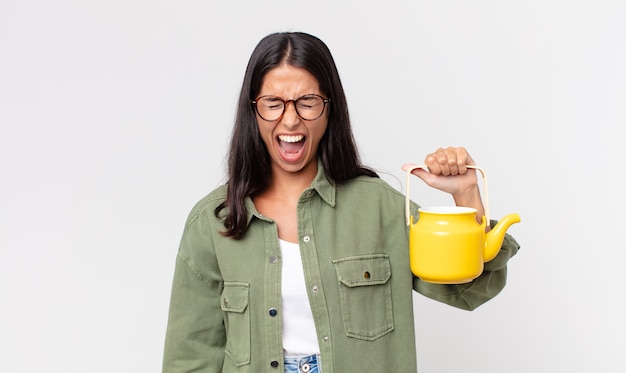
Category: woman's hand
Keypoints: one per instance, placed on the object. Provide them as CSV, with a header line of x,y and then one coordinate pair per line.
x,y
448,172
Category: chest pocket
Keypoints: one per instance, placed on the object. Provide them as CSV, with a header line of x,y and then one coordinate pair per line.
x,y
365,294
234,302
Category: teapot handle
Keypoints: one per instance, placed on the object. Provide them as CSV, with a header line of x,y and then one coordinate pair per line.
x,y
408,200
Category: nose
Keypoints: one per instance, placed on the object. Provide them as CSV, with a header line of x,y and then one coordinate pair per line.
x,y
290,116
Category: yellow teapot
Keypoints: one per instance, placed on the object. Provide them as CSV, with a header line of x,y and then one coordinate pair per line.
x,y
447,245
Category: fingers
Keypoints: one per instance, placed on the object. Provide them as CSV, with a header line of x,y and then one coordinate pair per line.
x,y
448,161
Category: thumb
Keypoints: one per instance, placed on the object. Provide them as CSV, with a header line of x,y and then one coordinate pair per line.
x,y
420,171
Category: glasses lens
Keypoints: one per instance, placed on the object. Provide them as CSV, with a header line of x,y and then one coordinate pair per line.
x,y
270,108
310,107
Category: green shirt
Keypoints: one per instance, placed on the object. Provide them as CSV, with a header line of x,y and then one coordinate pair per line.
x,y
225,312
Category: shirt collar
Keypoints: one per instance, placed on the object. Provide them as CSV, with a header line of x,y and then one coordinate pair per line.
x,y
324,188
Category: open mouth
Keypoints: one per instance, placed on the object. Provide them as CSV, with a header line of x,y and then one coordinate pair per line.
x,y
291,145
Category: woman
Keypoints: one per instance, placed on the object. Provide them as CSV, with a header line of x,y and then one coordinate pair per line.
x,y
300,262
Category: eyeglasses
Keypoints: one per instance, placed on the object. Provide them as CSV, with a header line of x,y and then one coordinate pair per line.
x,y
308,107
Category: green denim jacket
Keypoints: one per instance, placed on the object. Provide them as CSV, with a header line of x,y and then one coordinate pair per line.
x,y
225,312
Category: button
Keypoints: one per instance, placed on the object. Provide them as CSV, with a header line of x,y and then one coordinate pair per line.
x,y
273,259
274,364
315,289
325,338
306,238
366,275
273,312
226,302
305,367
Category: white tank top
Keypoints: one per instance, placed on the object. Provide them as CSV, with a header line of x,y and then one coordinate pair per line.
x,y
299,335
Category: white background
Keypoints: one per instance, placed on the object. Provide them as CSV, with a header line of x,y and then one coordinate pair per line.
x,y
115,117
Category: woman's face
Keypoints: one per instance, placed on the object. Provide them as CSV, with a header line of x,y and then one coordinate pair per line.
x,y
291,141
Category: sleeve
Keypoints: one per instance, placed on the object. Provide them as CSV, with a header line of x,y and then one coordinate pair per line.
x,y
477,292
195,337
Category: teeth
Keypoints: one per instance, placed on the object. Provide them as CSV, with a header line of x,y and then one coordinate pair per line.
x,y
286,138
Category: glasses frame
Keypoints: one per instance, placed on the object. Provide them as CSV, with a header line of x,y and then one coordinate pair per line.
x,y
325,101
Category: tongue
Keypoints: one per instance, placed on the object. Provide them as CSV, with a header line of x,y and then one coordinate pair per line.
x,y
291,147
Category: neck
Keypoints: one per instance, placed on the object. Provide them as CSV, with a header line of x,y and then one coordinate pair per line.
x,y
291,184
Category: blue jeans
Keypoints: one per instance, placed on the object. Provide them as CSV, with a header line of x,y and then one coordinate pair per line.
x,y
303,364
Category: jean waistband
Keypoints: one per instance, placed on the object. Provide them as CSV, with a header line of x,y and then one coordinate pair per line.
x,y
302,363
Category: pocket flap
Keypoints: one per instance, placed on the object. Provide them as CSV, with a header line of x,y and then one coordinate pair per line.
x,y
363,270
235,296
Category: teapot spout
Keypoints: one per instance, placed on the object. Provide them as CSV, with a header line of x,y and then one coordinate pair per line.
x,y
494,238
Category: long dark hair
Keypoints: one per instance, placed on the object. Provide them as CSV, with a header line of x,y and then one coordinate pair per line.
x,y
249,169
